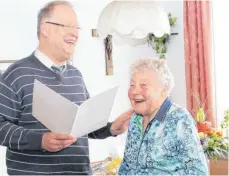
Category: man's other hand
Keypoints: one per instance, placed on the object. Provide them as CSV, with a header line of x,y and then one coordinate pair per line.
x,y
54,142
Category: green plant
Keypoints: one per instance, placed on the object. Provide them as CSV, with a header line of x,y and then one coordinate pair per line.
x,y
225,122
160,43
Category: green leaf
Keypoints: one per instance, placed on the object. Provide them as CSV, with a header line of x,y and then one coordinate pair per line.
x,y
225,122
162,56
164,49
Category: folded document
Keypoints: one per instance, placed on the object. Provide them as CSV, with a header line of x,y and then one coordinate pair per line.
x,y
60,115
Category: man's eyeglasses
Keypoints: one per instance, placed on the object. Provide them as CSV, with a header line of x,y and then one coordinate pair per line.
x,y
64,26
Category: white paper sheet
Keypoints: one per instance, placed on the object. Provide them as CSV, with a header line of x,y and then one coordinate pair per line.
x,y
60,115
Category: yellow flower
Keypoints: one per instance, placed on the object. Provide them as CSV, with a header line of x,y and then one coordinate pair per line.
x,y
113,165
201,135
200,116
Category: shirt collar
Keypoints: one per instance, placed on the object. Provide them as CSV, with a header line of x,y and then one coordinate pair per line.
x,y
160,114
44,59
163,109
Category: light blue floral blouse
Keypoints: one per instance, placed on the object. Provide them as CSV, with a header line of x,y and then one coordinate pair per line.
x,y
169,146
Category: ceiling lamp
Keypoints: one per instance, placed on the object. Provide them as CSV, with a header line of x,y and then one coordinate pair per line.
x,y
131,21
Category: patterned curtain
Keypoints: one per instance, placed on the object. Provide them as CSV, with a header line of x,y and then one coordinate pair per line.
x,y
198,58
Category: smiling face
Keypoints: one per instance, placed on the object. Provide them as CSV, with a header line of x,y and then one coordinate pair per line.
x,y
146,92
61,31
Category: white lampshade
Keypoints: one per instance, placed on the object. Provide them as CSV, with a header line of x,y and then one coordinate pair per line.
x,y
132,21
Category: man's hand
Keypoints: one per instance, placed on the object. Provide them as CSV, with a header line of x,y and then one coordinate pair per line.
x,y
54,142
120,125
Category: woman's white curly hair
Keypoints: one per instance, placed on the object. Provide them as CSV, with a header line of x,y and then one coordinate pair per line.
x,y
159,66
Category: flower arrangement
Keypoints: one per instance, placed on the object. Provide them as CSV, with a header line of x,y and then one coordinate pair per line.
x,y
213,140
109,166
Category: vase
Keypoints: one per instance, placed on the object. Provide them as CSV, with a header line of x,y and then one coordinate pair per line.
x,y
219,167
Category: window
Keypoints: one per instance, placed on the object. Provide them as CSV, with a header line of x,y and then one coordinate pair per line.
x,y
221,55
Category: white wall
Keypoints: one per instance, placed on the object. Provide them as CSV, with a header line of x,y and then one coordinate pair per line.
x,y
18,39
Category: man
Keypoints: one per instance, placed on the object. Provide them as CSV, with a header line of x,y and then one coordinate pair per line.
x,y
31,148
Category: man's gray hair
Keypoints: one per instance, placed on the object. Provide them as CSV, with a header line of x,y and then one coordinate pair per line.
x,y
46,12
156,65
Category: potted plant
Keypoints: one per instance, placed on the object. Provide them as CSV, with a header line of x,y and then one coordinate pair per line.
x,y
160,43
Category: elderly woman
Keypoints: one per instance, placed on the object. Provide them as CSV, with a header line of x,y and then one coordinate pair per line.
x,y
162,137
